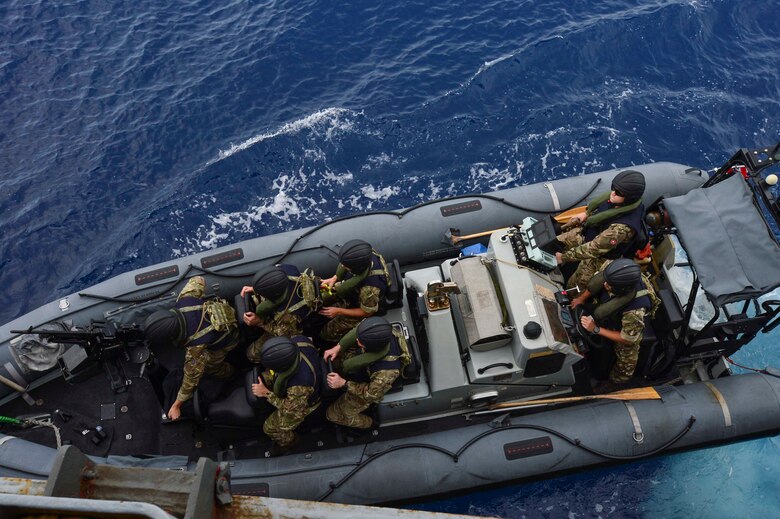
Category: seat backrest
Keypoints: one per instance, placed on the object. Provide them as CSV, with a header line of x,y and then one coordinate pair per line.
x,y
240,303
411,373
239,408
395,292
250,377
326,393
670,314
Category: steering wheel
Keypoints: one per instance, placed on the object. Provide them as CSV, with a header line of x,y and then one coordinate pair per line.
x,y
594,341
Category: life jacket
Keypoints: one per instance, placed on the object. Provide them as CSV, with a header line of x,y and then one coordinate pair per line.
x,y
633,219
396,355
377,276
305,372
212,322
301,297
610,308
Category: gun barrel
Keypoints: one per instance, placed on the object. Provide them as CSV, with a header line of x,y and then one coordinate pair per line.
x,y
54,333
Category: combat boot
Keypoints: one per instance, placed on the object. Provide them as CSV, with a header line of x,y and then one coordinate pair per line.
x,y
277,450
606,386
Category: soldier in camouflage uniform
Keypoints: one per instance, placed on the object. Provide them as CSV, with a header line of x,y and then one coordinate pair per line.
x,y
359,288
291,382
369,358
281,309
208,331
622,300
606,230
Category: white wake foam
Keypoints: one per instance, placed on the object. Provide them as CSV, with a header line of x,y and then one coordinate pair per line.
x,y
334,119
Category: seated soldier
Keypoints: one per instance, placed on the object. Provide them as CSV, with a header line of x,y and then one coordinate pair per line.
x,y
359,287
369,359
206,329
291,382
606,230
281,308
620,301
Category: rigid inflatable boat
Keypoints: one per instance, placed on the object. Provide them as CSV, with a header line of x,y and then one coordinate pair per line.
x,y
486,399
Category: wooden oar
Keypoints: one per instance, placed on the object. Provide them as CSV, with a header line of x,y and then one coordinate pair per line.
x,y
640,393
561,218
567,215
457,239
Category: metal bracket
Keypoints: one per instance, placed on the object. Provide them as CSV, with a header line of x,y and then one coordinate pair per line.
x,y
436,294
500,421
185,494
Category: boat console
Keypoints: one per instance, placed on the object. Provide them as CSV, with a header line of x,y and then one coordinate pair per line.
x,y
528,341
531,243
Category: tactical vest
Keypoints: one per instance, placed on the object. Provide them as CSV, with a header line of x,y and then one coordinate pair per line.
x,y
637,298
294,301
199,328
632,219
397,357
308,373
377,277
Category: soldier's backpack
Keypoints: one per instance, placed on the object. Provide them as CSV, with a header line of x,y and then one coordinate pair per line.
x,y
220,314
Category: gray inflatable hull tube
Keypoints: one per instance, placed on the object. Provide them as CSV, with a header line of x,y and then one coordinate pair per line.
x,y
507,449
410,236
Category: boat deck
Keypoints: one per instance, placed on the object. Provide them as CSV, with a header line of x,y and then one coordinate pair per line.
x,y
132,419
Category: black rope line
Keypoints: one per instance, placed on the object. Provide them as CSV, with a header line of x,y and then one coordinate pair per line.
x,y
764,371
401,214
456,455
397,214
165,289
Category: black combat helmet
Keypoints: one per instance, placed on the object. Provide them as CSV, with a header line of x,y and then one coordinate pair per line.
x,y
355,255
374,333
630,184
270,282
164,327
278,354
622,274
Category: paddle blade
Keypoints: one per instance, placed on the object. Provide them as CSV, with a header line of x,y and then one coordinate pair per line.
x,y
639,393
567,215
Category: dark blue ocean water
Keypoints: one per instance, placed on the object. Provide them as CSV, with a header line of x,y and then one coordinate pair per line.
x,y
133,132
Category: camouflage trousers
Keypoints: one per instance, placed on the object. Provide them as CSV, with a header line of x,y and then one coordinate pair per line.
x,y
625,364
217,366
347,411
586,268
199,361
338,327
280,426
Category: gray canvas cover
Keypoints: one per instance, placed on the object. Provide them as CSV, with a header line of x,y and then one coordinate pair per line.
x,y
727,240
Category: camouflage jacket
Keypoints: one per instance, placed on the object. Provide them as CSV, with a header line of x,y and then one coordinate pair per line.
x,y
633,326
295,404
282,324
373,391
197,359
369,299
604,242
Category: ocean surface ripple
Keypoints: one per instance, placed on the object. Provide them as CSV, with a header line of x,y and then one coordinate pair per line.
x,y
137,132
